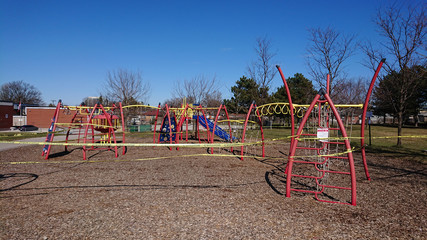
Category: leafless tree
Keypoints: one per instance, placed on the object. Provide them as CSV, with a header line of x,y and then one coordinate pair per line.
x,y
403,32
327,53
20,92
262,70
200,89
125,86
351,91
174,102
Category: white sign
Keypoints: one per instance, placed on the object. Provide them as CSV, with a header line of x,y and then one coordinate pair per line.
x,y
322,133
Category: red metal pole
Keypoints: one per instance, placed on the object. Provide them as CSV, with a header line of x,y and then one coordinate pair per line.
x,y
68,131
294,146
288,93
123,126
244,129
261,129
110,129
291,109
229,126
87,129
51,132
365,108
215,124
207,125
170,126
348,147
155,124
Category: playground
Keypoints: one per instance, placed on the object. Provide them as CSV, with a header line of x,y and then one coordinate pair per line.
x,y
163,194
203,173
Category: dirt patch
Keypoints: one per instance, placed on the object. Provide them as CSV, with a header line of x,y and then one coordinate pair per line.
x,y
157,193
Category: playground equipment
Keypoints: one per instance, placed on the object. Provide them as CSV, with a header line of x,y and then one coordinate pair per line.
x,y
207,129
172,126
97,124
320,157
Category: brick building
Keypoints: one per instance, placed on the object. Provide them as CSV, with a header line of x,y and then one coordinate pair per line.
x,y
6,115
42,116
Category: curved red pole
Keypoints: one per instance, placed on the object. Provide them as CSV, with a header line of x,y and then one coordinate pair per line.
x,y
348,147
170,126
89,123
123,126
261,129
69,129
288,93
365,108
229,126
214,127
155,124
244,130
294,145
51,132
110,128
207,125
291,107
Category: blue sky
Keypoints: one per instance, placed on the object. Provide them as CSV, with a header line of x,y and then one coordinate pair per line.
x,y
65,48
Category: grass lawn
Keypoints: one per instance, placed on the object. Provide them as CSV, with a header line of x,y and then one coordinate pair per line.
x,y
12,136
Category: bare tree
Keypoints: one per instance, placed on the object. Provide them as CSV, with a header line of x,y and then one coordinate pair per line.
x,y
20,92
199,89
174,102
403,31
327,53
351,91
125,86
262,70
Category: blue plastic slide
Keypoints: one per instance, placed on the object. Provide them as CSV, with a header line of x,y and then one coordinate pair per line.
x,y
218,131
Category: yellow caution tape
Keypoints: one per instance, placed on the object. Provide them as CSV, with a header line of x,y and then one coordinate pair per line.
x,y
122,160
325,155
136,144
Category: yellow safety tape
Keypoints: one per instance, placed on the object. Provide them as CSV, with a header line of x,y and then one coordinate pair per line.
x,y
122,160
168,157
84,124
325,155
237,121
137,144
299,137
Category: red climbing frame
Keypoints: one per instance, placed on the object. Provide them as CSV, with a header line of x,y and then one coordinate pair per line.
x,y
365,107
98,119
106,123
347,156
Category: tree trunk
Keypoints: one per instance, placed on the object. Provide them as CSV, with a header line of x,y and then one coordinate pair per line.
x,y
416,120
399,128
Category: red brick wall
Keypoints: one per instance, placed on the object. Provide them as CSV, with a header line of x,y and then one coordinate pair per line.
x,y
42,117
6,116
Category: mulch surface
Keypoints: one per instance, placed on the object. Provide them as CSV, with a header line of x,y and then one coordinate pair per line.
x,y
157,193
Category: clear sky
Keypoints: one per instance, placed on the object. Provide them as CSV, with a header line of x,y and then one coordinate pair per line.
x,y
65,48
